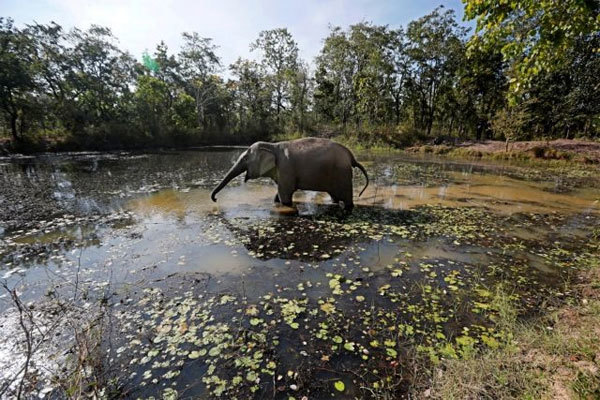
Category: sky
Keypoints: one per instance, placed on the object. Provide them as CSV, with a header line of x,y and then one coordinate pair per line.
x,y
232,24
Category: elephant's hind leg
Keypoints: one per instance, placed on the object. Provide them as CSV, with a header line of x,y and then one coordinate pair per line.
x,y
346,198
347,205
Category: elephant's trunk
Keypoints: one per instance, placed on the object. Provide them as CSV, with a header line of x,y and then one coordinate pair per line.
x,y
236,170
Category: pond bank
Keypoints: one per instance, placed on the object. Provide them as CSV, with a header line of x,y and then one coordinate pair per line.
x,y
567,150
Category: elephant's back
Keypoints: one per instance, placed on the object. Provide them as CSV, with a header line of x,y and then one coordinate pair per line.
x,y
316,147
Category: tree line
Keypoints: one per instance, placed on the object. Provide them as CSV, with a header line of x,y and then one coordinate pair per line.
x,y
397,85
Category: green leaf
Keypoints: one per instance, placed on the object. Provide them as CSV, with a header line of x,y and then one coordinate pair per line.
x,y
251,376
339,386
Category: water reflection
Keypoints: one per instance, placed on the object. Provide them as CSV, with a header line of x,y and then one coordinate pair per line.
x,y
502,194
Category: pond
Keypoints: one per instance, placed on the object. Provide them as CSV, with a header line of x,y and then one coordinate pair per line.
x,y
180,297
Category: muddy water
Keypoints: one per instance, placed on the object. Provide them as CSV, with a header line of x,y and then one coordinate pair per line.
x,y
416,266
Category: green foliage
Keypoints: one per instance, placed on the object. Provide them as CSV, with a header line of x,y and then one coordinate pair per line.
x,y
280,68
435,49
198,62
184,112
375,85
399,85
17,77
509,124
534,36
151,99
252,98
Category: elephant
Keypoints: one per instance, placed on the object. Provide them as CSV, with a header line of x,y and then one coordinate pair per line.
x,y
302,164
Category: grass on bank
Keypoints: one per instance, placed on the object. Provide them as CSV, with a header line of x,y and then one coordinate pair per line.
x,y
554,357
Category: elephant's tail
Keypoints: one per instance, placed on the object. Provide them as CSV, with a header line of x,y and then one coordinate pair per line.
x,y
364,171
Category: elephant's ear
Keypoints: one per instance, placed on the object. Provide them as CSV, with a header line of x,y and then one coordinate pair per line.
x,y
267,161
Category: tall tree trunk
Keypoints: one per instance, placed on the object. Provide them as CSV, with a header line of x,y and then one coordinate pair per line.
x,y
586,128
397,108
13,127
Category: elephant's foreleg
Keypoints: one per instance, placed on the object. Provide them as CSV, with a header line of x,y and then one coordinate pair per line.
x,y
285,194
276,199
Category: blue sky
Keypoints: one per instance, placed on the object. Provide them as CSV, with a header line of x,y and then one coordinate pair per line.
x,y
233,24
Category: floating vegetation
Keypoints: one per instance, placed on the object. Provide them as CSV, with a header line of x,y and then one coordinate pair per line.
x,y
353,327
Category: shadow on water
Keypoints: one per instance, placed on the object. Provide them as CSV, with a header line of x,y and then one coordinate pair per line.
x,y
309,237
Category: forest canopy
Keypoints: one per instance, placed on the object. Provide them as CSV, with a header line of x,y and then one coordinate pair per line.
x,y
529,71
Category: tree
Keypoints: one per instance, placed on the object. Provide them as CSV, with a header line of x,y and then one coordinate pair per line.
x,y
510,123
334,92
435,49
151,100
168,71
280,59
565,101
51,63
17,79
199,62
375,81
97,76
251,97
183,116
371,48
217,106
400,62
301,85
481,90
533,35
